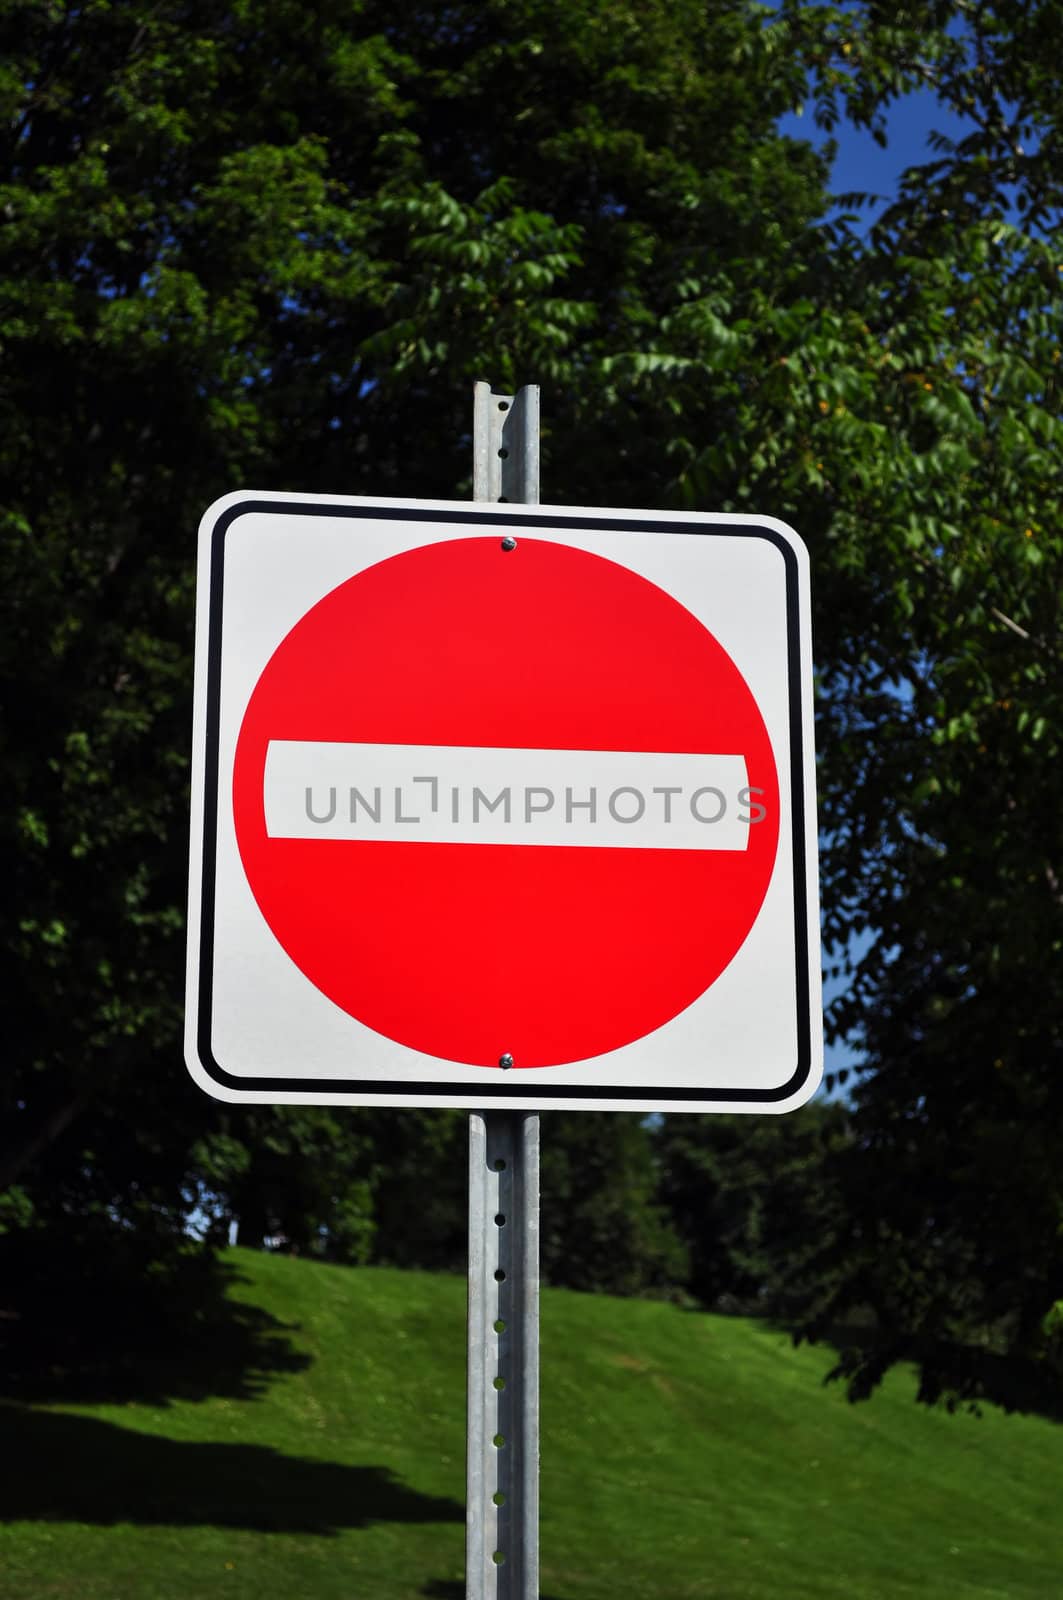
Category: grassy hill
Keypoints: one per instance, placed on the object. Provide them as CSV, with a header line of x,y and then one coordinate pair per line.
x,y
319,1454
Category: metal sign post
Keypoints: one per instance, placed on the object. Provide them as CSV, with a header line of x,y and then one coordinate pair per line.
x,y
502,1464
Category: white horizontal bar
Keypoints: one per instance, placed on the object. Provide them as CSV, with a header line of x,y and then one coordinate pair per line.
x,y
451,794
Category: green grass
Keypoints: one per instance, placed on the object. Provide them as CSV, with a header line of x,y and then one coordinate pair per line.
x,y
683,1456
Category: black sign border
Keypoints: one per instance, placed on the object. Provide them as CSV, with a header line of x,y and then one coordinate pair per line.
x,y
502,1089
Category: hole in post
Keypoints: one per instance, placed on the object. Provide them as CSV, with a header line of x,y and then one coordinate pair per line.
x,y
503,454
503,499
499,1166
500,1326
498,1499
500,1383
499,1440
503,405
500,1276
500,1219
498,1558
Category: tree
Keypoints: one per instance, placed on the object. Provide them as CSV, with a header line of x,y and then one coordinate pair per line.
x,y
604,1227
273,244
933,501
756,1203
905,417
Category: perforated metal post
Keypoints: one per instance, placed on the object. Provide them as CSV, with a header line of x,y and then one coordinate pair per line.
x,y
502,1511
505,449
502,1468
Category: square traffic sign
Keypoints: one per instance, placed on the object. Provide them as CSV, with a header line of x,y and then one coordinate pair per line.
x,y
500,805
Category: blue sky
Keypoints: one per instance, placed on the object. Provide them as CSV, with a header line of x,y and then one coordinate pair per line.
x,y
861,164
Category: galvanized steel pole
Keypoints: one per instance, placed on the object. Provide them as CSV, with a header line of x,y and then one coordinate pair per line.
x,y
502,1464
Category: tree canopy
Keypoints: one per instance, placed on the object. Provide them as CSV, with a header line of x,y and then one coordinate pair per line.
x,y
271,246
940,501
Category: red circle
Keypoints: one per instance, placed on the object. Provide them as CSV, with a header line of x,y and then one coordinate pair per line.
x,y
466,952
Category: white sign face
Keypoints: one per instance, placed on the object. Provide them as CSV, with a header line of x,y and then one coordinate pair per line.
x,y
502,805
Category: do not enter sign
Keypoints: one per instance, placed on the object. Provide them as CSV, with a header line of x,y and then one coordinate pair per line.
x,y
528,828
502,803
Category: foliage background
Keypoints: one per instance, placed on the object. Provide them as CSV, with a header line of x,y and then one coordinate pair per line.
x,y
273,246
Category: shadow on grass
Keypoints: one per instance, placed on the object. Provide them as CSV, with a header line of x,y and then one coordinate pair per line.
x,y
121,1345
80,1469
